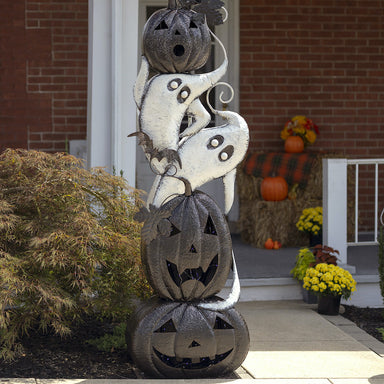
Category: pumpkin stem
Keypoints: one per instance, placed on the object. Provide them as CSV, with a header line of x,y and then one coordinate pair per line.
x,y
188,187
172,4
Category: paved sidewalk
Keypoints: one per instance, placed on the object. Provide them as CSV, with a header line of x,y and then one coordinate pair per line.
x,y
290,344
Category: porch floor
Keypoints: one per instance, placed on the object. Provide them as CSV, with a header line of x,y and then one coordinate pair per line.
x,y
258,263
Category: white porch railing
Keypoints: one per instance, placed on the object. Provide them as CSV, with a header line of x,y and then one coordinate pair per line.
x,y
335,203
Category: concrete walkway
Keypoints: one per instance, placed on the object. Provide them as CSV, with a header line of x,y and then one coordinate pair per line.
x,y
290,344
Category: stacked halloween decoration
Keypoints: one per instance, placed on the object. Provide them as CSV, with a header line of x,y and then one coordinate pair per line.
x,y
186,331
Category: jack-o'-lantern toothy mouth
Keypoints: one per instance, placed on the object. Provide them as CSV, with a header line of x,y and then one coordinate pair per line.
x,y
193,273
187,363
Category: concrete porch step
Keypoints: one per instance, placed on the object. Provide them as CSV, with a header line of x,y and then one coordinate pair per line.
x,y
367,292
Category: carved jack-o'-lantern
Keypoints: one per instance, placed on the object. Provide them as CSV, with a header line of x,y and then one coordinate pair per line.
x,y
180,340
176,40
193,259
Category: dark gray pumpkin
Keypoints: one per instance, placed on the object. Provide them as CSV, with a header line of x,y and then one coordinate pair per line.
x,y
176,40
192,261
180,340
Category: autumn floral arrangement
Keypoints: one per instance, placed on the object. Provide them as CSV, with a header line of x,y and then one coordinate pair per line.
x,y
300,126
311,221
328,279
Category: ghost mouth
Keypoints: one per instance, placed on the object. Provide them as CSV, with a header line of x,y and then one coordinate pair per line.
x,y
187,363
193,273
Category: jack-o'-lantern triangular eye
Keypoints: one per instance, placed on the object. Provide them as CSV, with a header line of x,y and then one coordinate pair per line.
x,y
162,25
221,324
174,230
210,227
167,327
192,249
192,24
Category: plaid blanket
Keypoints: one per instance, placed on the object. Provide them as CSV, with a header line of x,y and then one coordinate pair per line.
x,y
294,167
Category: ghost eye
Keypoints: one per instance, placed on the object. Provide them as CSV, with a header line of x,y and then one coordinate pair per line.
x,y
221,324
183,95
215,142
226,153
174,84
167,327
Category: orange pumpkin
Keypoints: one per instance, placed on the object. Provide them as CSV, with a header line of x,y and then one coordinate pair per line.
x,y
274,188
294,144
268,244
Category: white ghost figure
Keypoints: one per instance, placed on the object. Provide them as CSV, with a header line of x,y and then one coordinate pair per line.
x,y
209,154
163,101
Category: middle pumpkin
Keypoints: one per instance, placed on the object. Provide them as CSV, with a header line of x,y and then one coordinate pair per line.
x,y
192,260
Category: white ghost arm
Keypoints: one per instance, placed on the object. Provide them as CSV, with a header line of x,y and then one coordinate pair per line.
x,y
201,118
229,189
141,81
233,296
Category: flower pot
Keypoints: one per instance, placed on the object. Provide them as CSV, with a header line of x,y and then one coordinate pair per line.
x,y
328,305
315,239
308,296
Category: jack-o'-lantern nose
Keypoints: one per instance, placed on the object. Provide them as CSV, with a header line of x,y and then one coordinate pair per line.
x,y
179,50
194,344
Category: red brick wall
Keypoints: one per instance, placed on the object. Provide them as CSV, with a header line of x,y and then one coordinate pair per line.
x,y
43,66
319,58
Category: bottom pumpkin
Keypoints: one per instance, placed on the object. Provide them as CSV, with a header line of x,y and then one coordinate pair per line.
x,y
180,340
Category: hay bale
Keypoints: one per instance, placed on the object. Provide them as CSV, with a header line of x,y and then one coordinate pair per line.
x,y
260,219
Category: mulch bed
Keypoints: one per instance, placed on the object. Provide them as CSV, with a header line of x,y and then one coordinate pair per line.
x,y
48,356
368,319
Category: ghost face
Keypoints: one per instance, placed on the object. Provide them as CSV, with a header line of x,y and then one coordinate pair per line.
x,y
210,154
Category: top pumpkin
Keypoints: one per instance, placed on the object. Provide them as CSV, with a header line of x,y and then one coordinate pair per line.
x,y
176,40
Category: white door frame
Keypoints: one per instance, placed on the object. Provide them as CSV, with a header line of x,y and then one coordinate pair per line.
x,y
112,71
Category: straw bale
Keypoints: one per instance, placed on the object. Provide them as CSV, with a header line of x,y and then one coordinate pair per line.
x,y
260,219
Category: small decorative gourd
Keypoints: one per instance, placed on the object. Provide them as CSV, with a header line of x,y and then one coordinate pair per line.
x,y
176,40
180,340
274,188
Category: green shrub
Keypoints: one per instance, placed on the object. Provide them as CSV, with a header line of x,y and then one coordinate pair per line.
x,y
68,245
381,330
303,260
111,341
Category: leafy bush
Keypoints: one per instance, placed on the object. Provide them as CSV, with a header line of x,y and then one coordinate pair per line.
x,y
324,254
68,245
303,260
111,341
381,330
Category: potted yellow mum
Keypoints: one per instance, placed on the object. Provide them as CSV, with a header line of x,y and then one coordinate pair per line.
x,y
330,283
311,222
